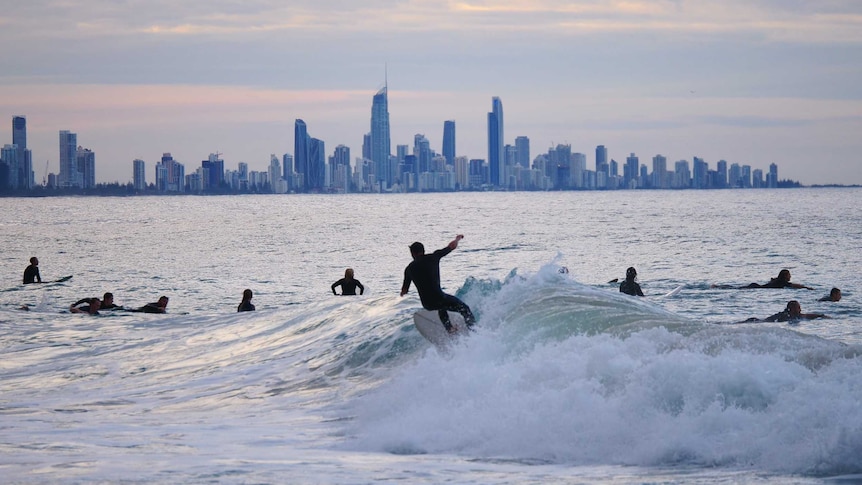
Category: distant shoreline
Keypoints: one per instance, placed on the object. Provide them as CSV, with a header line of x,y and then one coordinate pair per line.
x,y
112,190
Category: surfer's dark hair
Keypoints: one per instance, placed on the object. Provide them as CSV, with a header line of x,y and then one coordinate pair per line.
x,y
417,248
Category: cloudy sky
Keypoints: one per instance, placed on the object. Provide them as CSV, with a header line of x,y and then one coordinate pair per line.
x,y
749,81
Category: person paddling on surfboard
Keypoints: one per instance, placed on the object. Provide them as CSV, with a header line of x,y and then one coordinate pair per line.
x,y
424,272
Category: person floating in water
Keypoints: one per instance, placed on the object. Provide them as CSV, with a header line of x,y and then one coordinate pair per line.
x,y
31,273
155,307
781,281
348,284
630,285
245,305
792,312
107,302
91,308
834,295
424,272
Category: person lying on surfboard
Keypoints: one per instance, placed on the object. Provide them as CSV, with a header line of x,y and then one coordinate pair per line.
x,y
781,281
424,272
792,312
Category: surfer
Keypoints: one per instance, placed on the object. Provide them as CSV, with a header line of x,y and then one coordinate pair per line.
x,y
348,284
630,286
106,303
156,307
91,308
245,305
792,312
424,272
781,281
834,295
31,273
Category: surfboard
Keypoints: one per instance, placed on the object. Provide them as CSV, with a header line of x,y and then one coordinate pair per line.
x,y
675,291
429,325
65,278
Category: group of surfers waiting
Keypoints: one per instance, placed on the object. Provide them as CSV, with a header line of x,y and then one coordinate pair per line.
x,y
424,272
791,312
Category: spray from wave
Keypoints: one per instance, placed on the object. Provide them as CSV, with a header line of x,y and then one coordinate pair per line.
x,y
561,372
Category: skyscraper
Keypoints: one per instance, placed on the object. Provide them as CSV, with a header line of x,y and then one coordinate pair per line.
x,y
380,149
301,153
139,174
25,162
522,149
86,162
449,141
495,141
316,165
68,159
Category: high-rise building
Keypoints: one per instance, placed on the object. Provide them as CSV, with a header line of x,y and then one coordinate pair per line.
x,y
316,177
86,161
301,153
449,141
9,156
422,152
659,172
630,172
700,174
772,177
25,161
496,141
68,160
721,174
287,168
522,151
380,148
170,174
601,159
139,174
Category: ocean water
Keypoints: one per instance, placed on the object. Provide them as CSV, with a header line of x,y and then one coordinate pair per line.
x,y
565,381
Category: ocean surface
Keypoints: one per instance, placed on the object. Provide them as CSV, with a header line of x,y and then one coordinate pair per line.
x,y
566,380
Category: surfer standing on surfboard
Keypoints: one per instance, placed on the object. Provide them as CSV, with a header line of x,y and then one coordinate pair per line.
x,y
424,272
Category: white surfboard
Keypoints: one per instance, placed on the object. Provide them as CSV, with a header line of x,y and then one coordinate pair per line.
x,y
429,325
675,291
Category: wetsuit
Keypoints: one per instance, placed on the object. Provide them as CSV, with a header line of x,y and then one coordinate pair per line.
x,y
150,308
630,287
245,306
31,275
782,316
424,272
773,283
348,286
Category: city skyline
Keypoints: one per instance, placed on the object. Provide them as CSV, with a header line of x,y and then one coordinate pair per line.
x,y
756,82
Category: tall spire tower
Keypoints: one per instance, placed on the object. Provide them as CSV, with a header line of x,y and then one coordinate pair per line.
x,y
380,141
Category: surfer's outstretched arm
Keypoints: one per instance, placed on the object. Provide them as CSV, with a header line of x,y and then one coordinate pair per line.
x,y
454,243
405,287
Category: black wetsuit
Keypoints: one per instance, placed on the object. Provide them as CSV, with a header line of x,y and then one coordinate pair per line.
x,y
245,306
424,272
31,275
149,308
348,286
630,287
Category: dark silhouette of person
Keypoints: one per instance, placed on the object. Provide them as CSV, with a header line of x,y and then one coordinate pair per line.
x,y
91,308
834,295
424,272
160,306
245,305
348,284
792,312
107,302
781,281
31,273
630,285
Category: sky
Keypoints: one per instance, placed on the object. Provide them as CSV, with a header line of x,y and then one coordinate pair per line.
x,y
752,82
